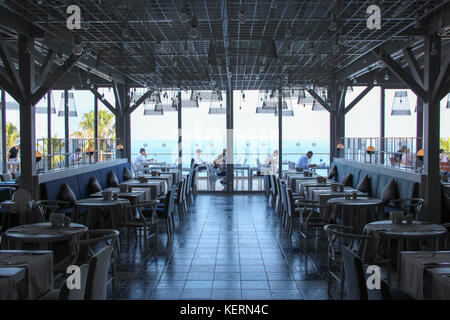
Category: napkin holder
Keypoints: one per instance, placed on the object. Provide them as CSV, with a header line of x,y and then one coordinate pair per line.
x,y
123,188
354,195
66,222
307,173
107,195
142,179
396,217
57,219
334,187
321,180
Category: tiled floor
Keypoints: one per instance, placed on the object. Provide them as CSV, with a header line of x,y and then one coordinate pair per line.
x,y
229,247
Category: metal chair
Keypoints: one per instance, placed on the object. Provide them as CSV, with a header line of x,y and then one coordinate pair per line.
x,y
312,216
414,206
47,207
64,293
136,218
85,248
338,236
212,177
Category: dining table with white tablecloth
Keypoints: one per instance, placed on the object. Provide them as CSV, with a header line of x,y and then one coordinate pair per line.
x,y
156,186
25,274
426,274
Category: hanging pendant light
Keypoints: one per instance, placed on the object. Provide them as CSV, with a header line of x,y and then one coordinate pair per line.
x,y
188,99
217,104
44,109
169,102
267,102
400,104
72,107
149,109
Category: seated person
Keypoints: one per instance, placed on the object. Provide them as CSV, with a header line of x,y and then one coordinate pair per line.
x,y
76,157
442,156
220,165
13,158
397,158
141,160
198,162
303,162
272,161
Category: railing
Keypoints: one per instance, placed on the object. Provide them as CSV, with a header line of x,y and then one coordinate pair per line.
x,y
398,153
248,158
80,152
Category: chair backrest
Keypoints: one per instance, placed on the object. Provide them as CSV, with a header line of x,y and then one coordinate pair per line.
x,y
180,188
186,186
258,163
354,275
22,199
171,201
339,235
282,187
75,294
290,202
98,274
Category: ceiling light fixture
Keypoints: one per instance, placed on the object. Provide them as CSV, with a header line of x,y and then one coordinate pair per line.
x,y
77,49
183,16
59,59
242,15
273,4
193,32
386,75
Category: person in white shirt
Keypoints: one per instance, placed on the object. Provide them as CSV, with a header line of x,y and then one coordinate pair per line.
x,y
141,158
197,159
198,162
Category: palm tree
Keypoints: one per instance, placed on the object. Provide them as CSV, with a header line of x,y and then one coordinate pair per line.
x,y
445,144
11,135
106,129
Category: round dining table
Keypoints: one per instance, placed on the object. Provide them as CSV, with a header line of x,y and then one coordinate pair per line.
x,y
355,212
42,234
95,207
390,239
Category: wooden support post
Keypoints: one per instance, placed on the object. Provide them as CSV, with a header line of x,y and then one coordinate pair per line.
x,y
431,117
27,116
382,123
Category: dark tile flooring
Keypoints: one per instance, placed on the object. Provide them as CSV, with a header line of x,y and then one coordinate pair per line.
x,y
227,247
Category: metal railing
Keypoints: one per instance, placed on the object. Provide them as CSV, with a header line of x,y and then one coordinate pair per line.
x,y
399,153
80,152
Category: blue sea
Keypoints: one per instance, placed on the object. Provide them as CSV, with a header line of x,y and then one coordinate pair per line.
x,y
244,151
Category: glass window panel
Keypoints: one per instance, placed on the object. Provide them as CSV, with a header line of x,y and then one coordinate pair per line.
x,y
207,132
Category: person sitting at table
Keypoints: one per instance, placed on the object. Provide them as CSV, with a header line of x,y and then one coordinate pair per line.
x,y
13,158
303,162
272,161
76,157
220,165
442,156
141,158
198,162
